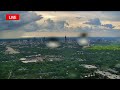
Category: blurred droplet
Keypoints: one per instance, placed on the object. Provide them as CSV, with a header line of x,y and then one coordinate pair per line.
x,y
53,42
83,35
83,41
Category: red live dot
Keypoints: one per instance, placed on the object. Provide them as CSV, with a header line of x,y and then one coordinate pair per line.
x,y
12,17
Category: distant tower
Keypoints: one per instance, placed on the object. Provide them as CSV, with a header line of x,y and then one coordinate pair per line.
x,y
65,39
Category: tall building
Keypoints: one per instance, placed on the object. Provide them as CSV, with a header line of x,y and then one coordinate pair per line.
x,y
65,39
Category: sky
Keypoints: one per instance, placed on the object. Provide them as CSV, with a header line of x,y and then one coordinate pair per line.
x,y
60,23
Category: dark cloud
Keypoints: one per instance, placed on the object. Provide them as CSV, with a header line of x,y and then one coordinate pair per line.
x,y
66,23
25,18
108,26
78,17
95,21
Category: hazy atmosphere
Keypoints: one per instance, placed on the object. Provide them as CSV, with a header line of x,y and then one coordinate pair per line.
x,y
59,44
60,23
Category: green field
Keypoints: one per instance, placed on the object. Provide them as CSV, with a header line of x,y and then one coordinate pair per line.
x,y
103,57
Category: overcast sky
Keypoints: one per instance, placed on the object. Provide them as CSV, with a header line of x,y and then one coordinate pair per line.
x,y
60,23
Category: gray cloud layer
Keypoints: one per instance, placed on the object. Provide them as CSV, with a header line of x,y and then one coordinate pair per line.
x,y
111,15
25,18
28,24
52,25
96,21
108,26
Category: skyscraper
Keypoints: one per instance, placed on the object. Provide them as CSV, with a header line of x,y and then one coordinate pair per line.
x,y
65,39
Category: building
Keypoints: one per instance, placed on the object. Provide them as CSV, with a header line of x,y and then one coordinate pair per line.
x,y
89,66
10,50
107,74
32,58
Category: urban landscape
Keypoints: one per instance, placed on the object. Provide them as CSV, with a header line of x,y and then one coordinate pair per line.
x,y
32,59
59,44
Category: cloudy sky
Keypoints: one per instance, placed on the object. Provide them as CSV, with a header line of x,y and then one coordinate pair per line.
x,y
60,23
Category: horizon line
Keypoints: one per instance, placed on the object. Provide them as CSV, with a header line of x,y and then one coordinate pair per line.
x,y
59,37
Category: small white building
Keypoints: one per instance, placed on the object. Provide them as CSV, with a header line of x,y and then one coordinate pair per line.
x,y
22,59
89,66
32,58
